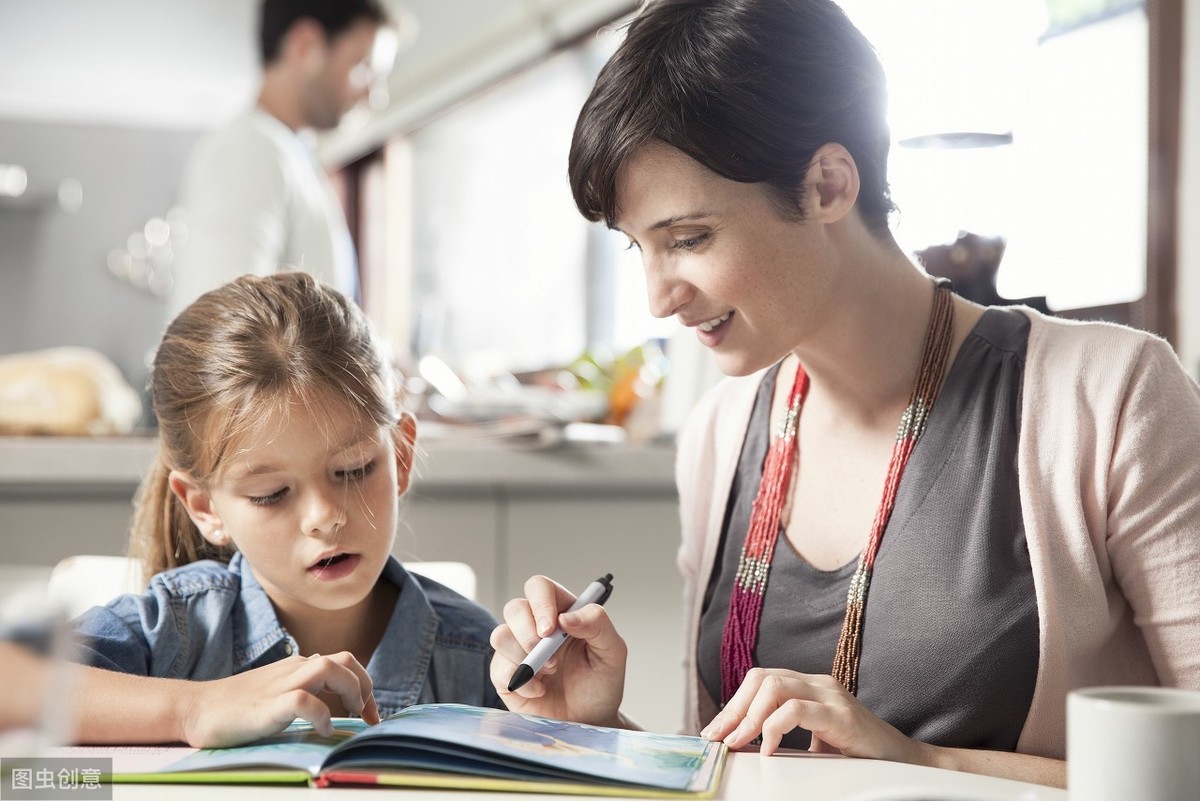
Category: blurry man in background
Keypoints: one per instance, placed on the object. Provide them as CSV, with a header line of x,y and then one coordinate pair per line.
x,y
255,198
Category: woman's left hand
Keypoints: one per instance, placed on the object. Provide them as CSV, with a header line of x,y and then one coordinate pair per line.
x,y
773,702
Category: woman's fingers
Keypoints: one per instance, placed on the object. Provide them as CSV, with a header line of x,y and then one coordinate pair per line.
x,y
729,718
592,625
782,719
546,599
518,618
773,702
585,677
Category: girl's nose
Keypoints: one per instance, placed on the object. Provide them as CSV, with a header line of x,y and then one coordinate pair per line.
x,y
325,513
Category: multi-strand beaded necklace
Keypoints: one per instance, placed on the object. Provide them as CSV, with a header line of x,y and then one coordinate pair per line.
x,y
740,636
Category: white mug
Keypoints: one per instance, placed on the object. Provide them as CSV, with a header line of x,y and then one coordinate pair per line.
x,y
1133,743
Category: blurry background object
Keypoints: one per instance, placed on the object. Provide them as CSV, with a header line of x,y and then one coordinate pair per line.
x,y
147,261
971,263
66,391
36,667
255,197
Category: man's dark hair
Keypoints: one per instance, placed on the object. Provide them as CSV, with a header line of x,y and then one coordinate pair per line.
x,y
276,18
748,88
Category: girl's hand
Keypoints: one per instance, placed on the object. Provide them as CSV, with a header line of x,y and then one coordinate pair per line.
x,y
773,702
584,680
263,701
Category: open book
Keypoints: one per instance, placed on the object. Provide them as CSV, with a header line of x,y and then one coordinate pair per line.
x,y
465,747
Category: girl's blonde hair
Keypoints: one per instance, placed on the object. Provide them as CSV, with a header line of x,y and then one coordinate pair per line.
x,y
224,367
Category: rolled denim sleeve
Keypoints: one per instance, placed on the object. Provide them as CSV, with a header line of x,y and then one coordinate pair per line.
x,y
180,628
127,635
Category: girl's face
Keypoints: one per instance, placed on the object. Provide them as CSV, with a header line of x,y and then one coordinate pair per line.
x,y
311,502
719,255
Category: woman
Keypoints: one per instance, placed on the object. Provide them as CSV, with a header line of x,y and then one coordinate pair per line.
x,y
910,524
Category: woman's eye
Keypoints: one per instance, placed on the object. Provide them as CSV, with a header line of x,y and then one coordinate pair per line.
x,y
268,500
358,473
689,243
632,245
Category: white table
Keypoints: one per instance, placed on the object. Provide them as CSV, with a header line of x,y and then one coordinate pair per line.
x,y
748,777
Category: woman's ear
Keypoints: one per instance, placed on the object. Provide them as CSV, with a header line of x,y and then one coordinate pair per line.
x,y
198,503
404,443
833,183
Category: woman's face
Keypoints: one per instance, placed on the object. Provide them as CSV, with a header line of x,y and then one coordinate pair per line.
x,y
720,257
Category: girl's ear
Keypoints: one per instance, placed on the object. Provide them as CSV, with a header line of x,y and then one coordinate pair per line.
x,y
404,440
198,503
833,183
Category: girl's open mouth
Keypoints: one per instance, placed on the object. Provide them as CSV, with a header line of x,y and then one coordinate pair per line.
x,y
335,567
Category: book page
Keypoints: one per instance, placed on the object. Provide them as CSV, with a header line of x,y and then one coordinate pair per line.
x,y
492,742
298,746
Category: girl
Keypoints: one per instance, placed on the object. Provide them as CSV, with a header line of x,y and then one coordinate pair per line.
x,y
911,525
267,523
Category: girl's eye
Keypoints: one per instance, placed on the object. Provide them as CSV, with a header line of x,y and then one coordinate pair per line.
x,y
632,245
358,473
268,500
690,243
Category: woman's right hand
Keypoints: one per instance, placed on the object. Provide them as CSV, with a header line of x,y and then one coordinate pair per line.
x,y
263,701
584,681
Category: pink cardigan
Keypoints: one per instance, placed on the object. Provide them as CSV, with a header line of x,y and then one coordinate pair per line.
x,y
1109,461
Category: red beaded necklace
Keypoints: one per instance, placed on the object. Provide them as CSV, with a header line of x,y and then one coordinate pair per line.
x,y
740,636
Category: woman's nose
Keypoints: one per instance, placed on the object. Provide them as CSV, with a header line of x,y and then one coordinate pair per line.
x,y
666,292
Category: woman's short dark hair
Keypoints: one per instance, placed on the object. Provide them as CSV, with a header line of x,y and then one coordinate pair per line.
x,y
276,18
748,88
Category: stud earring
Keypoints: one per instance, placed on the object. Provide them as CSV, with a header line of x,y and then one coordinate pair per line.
x,y
220,537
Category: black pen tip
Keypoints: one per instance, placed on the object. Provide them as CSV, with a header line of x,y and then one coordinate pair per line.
x,y
520,677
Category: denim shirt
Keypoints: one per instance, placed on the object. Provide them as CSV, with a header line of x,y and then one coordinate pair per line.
x,y
208,621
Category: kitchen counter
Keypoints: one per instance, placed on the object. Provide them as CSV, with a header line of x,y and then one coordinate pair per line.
x,y
120,462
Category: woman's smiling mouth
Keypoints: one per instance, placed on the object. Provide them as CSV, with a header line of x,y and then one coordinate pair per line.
x,y
709,325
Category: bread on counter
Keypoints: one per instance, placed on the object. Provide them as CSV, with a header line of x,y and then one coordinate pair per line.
x,y
69,391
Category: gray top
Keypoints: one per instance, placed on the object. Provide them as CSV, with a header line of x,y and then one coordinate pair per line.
x,y
950,638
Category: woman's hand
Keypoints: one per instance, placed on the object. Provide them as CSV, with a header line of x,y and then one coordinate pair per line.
x,y
584,680
263,701
773,702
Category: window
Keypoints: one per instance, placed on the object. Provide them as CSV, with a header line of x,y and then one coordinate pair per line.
x,y
491,267
1067,84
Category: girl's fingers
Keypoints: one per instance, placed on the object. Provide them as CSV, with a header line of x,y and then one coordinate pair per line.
x,y
366,685
340,674
303,704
